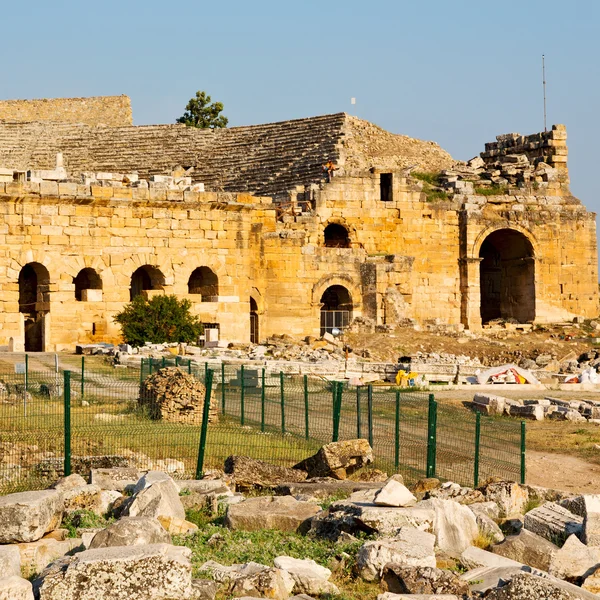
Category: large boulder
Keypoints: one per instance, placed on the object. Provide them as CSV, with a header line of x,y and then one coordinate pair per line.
x,y
268,583
454,525
153,572
410,548
475,558
156,494
27,516
421,580
385,521
309,577
527,548
574,561
338,459
270,512
591,519
131,531
115,478
249,473
13,587
489,528
553,522
36,556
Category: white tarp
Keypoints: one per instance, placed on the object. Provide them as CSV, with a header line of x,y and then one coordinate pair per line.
x,y
506,374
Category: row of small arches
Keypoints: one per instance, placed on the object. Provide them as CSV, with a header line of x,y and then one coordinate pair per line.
x,y
34,281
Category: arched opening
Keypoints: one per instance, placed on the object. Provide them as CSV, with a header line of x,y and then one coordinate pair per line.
x,y
146,278
336,236
87,279
254,337
204,281
507,277
34,303
336,309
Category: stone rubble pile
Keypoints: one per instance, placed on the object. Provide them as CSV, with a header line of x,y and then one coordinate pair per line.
x,y
172,395
502,541
555,409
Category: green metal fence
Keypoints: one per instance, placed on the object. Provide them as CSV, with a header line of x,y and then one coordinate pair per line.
x,y
84,413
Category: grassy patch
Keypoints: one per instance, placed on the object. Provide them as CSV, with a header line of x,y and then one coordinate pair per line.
x,y
531,504
494,190
83,519
484,540
432,178
563,437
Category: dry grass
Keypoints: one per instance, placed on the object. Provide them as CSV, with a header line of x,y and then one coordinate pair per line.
x,y
563,437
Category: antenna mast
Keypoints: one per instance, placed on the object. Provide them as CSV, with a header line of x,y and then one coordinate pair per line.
x,y
544,85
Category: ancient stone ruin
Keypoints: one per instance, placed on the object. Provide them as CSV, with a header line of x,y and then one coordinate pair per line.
x,y
172,395
244,223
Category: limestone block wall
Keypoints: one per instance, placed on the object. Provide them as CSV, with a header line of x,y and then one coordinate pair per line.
x,y
110,111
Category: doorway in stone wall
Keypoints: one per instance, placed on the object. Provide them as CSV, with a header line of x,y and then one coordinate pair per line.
x,y
34,304
507,277
336,309
254,333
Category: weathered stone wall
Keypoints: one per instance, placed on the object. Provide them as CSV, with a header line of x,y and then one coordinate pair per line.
x,y
110,111
408,259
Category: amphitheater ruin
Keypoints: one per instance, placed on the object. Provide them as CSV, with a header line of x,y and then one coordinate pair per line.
x,y
245,224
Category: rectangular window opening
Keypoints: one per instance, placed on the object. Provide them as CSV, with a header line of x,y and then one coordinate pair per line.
x,y
386,187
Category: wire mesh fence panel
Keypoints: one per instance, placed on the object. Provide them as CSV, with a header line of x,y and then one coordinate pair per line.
x,y
31,430
455,444
500,449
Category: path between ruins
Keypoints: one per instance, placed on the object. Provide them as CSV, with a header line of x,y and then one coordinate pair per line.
x,y
562,472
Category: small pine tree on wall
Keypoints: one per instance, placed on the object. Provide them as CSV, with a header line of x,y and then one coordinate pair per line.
x,y
159,320
200,113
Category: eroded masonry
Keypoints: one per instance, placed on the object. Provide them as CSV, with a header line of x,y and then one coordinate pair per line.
x,y
245,224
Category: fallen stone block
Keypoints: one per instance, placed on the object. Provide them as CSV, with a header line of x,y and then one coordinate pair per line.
x,y
527,548
421,580
203,486
510,497
14,587
131,531
574,561
388,521
269,583
454,525
204,589
535,412
484,579
36,556
155,494
394,493
553,522
324,487
591,519
116,478
249,473
474,558
410,548
175,526
489,528
10,561
270,512
153,572
27,516
489,509
309,577
227,573
85,497
338,459
495,404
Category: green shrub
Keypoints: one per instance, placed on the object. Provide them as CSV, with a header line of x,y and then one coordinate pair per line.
x,y
494,190
432,178
161,319
83,519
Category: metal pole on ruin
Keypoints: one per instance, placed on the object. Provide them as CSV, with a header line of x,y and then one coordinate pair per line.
x,y
204,428
67,422
544,87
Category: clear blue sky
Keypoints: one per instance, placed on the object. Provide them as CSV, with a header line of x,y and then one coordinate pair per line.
x,y
458,73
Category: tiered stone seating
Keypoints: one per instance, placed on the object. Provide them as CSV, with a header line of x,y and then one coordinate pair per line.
x,y
266,160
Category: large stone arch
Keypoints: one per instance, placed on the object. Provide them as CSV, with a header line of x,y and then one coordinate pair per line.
x,y
338,279
485,232
507,275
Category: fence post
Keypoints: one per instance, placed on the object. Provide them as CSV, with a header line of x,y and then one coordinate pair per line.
x,y
141,372
282,402
82,375
397,433
262,400
222,387
477,440
370,413
358,432
189,366
242,396
205,370
523,449
204,428
150,365
306,415
26,372
431,436
337,409
67,422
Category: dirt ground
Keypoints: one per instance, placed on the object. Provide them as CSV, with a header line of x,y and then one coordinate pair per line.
x,y
562,472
